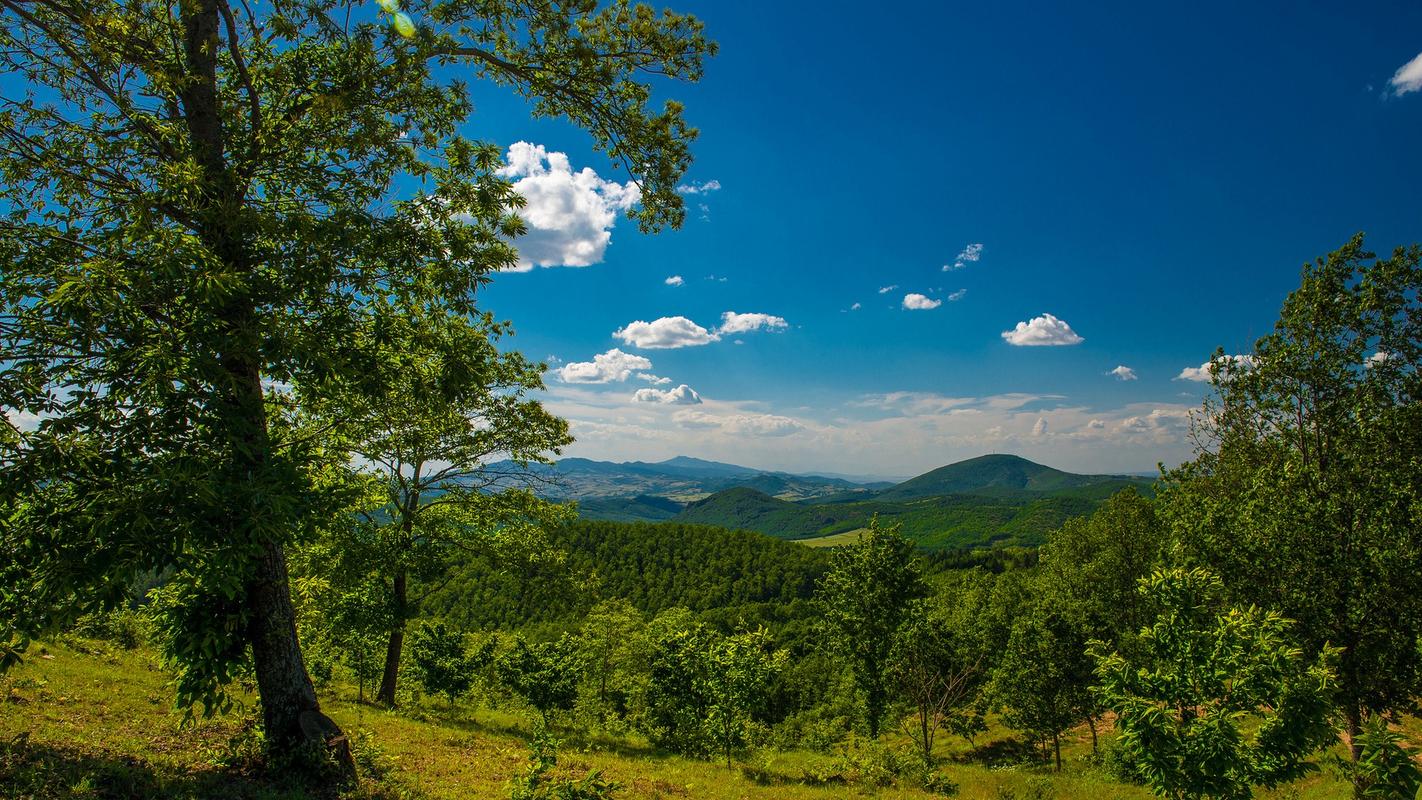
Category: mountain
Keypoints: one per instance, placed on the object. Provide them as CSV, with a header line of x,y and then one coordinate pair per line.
x,y
652,491
998,475
989,501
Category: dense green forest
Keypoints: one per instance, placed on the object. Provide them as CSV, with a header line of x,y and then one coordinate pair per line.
x,y
952,521
653,566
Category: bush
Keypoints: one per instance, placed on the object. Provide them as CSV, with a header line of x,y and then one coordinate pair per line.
x,y
535,784
123,627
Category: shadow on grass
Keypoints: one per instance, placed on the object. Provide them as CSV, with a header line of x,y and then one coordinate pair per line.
x,y
50,772
572,737
1002,752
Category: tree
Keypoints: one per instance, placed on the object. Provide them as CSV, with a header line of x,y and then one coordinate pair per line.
x,y
545,674
1305,495
442,662
446,402
864,597
202,206
1043,680
608,639
739,670
1096,562
937,670
1219,700
676,705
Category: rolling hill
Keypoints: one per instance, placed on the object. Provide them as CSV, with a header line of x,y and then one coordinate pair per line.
x,y
983,502
999,474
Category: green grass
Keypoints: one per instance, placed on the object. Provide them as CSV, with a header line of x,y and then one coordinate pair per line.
x,y
82,721
833,540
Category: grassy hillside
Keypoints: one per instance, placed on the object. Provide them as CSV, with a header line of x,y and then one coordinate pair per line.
x,y
87,721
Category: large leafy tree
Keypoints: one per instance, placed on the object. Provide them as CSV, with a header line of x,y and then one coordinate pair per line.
x,y
1307,495
202,202
864,598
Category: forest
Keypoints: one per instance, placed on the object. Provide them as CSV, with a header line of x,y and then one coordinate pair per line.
x,y
264,478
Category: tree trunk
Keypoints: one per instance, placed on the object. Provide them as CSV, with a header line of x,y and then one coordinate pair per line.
x,y
1354,717
1091,722
396,644
923,714
291,717
1057,749
875,702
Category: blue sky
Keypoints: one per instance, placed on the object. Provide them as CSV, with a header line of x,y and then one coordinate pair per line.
x,y
1151,177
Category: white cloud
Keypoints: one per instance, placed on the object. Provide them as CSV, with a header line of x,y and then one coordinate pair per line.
x,y
570,214
23,421
682,395
1043,330
674,280
1408,77
732,322
1040,428
1201,374
614,365
699,188
920,302
750,425
887,289
969,255
855,307
1379,357
1123,373
664,333
958,295
656,380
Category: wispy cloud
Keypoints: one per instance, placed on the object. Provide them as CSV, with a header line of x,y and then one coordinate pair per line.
x,y
969,255
887,289
1408,77
732,322
1123,373
675,280
699,188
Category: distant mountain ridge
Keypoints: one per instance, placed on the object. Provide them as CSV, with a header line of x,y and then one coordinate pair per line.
x,y
985,501
620,489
